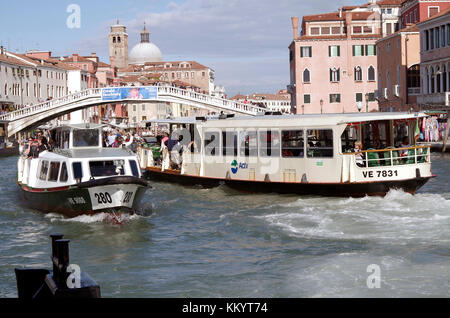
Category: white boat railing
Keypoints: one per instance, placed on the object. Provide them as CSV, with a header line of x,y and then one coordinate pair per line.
x,y
393,156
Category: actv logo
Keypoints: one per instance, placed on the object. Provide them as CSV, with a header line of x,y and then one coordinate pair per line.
x,y
235,166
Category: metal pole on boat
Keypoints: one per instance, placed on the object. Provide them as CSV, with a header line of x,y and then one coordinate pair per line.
x,y
444,145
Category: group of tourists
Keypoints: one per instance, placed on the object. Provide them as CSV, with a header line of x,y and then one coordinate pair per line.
x,y
120,138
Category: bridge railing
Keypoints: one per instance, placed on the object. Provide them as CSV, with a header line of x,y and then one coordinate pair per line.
x,y
215,101
33,109
220,103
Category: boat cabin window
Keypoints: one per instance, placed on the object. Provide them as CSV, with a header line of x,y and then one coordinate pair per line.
x,y
229,143
106,168
62,139
249,143
212,143
320,143
349,137
43,171
292,143
269,141
85,138
54,171
134,168
401,130
63,175
375,135
77,170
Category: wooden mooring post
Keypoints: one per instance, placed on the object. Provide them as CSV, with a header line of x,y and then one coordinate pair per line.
x,y
65,280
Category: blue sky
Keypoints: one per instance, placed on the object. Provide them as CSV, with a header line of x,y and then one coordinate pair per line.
x,y
244,41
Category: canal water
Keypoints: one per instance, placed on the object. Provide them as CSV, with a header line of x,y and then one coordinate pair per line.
x,y
194,242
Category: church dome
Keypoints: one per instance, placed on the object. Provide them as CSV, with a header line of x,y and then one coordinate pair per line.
x,y
145,51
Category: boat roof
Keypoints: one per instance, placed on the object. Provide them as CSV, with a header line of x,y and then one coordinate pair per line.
x,y
80,126
91,153
304,120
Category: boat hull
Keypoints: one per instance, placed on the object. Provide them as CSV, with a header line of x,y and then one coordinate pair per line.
x,y
360,189
85,199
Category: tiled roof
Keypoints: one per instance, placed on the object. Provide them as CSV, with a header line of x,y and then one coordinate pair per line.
x,y
390,2
12,60
336,16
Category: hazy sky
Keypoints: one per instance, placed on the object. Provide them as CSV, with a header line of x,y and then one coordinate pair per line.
x,y
244,41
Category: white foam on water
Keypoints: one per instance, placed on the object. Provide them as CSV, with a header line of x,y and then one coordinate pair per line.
x,y
95,218
398,216
350,275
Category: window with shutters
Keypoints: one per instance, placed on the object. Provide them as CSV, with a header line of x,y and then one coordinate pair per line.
x,y
334,50
305,51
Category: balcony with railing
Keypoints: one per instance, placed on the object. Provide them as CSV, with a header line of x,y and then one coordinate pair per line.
x,y
434,99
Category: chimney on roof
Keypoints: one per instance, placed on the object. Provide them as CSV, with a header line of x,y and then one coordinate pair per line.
x,y
295,26
75,57
340,12
348,22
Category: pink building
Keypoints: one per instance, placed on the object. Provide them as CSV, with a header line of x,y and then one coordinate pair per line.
x,y
333,62
414,11
435,61
398,70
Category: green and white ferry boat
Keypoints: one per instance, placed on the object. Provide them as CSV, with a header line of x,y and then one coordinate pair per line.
x,y
299,154
79,176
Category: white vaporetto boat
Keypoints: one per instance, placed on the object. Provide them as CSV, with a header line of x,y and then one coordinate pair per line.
x,y
79,176
302,154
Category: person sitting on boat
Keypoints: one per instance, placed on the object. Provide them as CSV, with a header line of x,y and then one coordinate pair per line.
x,y
359,156
405,144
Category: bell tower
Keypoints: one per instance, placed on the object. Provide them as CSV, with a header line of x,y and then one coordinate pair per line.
x,y
118,46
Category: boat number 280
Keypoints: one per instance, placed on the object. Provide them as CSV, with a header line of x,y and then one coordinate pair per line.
x,y
103,198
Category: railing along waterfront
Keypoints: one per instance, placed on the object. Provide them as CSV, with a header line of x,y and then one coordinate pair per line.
x,y
393,156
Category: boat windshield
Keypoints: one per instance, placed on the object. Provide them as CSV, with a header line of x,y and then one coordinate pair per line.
x,y
106,168
85,138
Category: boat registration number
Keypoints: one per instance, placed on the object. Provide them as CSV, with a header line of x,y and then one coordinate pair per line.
x,y
380,174
112,197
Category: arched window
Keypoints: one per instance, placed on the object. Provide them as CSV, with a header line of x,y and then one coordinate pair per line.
x,y
444,78
413,76
306,76
438,79
358,74
334,75
371,73
432,75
